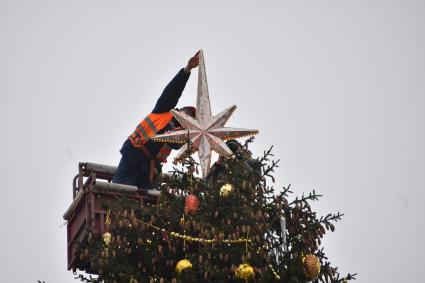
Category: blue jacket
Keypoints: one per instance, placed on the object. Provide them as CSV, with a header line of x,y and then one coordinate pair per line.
x,y
133,168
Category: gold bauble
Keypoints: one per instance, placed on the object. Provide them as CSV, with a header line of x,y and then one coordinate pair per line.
x,y
107,238
226,190
182,265
245,272
311,266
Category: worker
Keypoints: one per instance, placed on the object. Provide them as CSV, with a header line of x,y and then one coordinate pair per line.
x,y
141,158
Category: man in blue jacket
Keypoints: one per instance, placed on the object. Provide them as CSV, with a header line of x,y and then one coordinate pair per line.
x,y
142,158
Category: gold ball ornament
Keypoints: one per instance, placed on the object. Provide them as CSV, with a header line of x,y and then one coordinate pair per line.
x,y
226,190
107,237
245,272
182,265
311,266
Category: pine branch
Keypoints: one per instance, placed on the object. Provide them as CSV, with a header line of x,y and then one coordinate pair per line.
x,y
286,191
248,141
266,155
304,198
331,218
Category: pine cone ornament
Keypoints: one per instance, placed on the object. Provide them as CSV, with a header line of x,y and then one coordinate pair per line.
x,y
311,266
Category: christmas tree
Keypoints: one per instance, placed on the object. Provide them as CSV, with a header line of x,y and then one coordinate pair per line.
x,y
230,225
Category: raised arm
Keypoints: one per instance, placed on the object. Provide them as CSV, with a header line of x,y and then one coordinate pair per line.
x,y
173,91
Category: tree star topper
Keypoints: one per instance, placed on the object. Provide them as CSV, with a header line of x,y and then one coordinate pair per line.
x,y
205,132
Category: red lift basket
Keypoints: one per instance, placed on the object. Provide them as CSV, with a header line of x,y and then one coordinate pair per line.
x,y
91,188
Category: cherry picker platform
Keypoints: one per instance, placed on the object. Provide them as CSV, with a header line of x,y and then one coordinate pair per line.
x,y
91,190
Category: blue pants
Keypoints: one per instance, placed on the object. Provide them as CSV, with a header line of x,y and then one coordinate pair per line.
x,y
133,168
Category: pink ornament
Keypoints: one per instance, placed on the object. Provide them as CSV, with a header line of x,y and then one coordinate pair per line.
x,y
191,204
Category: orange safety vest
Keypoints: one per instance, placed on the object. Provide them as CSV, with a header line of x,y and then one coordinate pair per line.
x,y
148,127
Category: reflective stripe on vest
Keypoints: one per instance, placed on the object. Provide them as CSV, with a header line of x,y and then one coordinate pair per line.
x,y
148,127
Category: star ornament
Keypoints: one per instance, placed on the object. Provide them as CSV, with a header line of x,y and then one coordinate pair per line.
x,y
205,132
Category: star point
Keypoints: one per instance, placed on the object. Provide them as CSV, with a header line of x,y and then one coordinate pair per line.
x,y
206,133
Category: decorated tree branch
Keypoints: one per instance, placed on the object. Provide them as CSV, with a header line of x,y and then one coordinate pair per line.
x,y
224,228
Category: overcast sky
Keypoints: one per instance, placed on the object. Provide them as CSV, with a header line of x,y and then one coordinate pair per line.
x,y
338,87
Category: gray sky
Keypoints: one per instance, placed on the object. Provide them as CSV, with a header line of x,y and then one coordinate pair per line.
x,y
336,86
